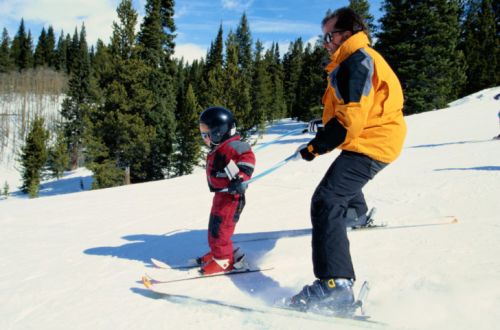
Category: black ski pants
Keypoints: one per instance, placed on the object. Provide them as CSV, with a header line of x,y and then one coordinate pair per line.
x,y
339,189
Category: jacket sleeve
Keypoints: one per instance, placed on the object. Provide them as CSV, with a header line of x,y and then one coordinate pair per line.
x,y
329,138
244,158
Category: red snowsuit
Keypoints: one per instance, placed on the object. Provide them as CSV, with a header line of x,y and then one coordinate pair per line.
x,y
226,208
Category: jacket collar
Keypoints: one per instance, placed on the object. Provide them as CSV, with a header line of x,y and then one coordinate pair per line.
x,y
230,139
350,46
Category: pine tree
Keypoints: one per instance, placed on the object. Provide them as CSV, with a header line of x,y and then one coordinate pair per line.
x,y
232,78
182,85
72,51
102,70
311,84
237,93
41,47
292,66
168,25
423,50
215,54
34,157
244,38
5,191
22,49
157,46
58,160
28,59
244,99
6,63
45,49
262,89
211,86
188,136
123,38
362,8
277,108
50,50
194,75
481,46
78,95
61,56
118,139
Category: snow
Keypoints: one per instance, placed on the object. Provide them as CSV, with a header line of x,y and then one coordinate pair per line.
x,y
74,260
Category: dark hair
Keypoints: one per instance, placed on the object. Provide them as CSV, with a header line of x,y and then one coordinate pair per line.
x,y
347,20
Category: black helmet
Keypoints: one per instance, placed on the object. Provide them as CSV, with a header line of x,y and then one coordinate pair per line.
x,y
220,122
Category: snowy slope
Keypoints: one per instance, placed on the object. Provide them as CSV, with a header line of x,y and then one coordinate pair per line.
x,y
74,260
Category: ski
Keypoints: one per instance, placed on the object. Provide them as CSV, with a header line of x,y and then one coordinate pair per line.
x,y
371,226
162,265
276,309
149,280
301,232
447,220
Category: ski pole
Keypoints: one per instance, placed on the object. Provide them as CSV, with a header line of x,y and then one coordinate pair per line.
x,y
264,145
271,169
266,172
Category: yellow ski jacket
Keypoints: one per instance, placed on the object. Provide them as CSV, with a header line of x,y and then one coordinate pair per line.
x,y
365,97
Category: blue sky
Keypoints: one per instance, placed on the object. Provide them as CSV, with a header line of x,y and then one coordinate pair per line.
x,y
197,20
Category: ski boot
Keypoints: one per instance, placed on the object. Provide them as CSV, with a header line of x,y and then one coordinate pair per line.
x,y
333,296
207,257
353,221
216,266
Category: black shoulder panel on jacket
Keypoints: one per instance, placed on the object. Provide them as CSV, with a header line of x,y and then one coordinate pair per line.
x,y
239,146
354,77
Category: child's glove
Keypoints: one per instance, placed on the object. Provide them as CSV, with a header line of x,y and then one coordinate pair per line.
x,y
236,186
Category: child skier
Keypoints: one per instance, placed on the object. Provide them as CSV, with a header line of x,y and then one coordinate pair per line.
x,y
218,130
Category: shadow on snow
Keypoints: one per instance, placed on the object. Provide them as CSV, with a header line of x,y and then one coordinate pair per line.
x,y
175,248
60,187
449,143
283,128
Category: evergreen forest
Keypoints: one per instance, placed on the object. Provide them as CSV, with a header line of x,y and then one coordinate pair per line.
x,y
130,109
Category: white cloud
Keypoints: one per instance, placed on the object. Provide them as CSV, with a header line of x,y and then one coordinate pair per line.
x,y
190,52
98,15
236,5
312,40
283,26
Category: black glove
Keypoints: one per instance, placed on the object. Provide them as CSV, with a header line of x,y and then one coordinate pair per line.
x,y
306,154
236,186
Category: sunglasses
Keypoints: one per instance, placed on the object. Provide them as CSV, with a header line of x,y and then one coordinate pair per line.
x,y
328,37
205,135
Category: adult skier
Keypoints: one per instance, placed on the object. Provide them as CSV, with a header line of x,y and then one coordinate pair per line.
x,y
363,117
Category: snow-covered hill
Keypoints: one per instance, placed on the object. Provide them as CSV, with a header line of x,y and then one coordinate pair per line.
x,y
74,261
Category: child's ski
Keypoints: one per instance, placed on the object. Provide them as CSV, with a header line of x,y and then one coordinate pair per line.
x,y
160,264
149,280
